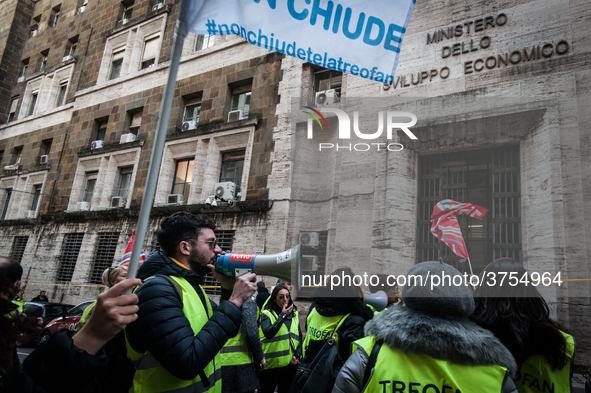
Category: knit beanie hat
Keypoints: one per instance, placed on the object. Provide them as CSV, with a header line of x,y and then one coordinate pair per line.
x,y
439,289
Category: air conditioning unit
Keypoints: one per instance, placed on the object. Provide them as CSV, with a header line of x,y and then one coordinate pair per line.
x,y
34,33
20,79
235,115
12,167
96,145
157,6
175,199
43,159
225,190
189,125
126,138
124,21
66,58
327,97
310,263
118,201
83,206
309,239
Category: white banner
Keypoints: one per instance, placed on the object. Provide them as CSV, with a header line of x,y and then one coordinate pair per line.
x,y
358,37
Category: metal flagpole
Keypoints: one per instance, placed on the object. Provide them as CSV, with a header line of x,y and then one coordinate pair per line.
x,y
180,33
470,264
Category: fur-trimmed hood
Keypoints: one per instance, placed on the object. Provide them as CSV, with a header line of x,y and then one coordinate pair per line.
x,y
454,339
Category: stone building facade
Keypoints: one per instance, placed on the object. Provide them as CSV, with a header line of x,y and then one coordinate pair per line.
x,y
501,93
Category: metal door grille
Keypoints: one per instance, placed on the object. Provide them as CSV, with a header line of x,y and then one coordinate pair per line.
x,y
18,248
224,239
67,260
104,255
489,178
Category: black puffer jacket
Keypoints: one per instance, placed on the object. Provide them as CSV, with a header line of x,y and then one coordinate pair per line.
x,y
54,365
163,329
352,327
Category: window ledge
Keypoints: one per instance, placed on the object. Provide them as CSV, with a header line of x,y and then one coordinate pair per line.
x,y
108,148
138,20
36,168
212,128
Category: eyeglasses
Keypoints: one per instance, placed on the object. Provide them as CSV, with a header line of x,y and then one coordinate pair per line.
x,y
212,243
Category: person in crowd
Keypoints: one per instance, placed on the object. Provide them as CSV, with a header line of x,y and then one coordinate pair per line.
x,y
111,276
176,340
343,307
263,294
429,345
11,325
281,338
78,358
383,285
42,297
518,315
243,356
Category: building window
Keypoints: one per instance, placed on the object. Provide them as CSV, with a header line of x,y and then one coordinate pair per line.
x,y
6,203
241,100
225,240
89,188
150,52
24,68
124,182
192,111
105,253
101,130
43,63
32,103
69,256
136,122
54,16
17,155
232,165
182,178
61,95
81,7
488,178
204,41
313,249
71,48
36,196
127,10
19,243
116,63
12,113
34,29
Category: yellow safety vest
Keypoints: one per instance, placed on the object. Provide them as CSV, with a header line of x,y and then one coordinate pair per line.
x,y
537,376
320,327
236,351
280,349
396,371
151,377
85,316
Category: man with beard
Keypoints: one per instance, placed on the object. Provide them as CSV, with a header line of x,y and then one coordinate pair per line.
x,y
176,339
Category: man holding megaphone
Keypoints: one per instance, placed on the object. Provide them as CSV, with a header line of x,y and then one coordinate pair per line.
x,y
176,340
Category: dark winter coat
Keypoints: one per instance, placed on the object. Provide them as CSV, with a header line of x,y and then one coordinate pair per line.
x,y
352,327
458,340
163,329
244,377
54,366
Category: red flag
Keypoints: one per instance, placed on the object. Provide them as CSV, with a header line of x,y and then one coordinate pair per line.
x,y
127,255
445,225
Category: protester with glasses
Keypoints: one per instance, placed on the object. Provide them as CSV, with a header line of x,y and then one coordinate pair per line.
x,y
282,341
175,342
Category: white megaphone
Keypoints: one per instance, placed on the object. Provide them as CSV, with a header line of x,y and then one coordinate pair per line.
x,y
378,300
285,265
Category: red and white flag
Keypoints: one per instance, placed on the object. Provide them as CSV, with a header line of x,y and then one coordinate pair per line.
x,y
445,226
